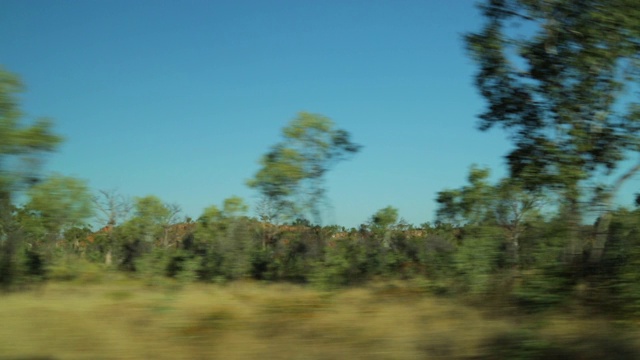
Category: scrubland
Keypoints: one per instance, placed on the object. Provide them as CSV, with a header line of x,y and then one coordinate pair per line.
x,y
125,319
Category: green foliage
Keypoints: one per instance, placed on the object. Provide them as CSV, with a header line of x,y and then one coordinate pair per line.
x,y
151,209
21,148
189,270
478,258
559,88
260,261
293,253
521,345
153,267
146,230
76,269
545,280
527,344
567,75
225,240
384,218
234,207
618,273
506,205
32,228
292,172
429,255
347,262
20,145
469,205
75,239
60,203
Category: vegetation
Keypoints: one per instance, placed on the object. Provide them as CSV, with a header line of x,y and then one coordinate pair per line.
x,y
121,319
292,173
509,270
560,92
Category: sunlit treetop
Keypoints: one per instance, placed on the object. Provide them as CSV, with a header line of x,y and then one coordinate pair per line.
x,y
21,145
292,171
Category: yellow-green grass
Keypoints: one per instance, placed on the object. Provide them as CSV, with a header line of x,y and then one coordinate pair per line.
x,y
248,320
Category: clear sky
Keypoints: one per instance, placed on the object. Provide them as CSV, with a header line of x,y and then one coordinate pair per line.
x,y
179,99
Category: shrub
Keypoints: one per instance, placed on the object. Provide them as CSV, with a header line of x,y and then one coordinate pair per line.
x,y
74,268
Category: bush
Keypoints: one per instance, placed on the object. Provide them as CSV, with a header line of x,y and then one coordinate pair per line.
x,y
152,267
74,268
477,259
526,344
348,262
188,272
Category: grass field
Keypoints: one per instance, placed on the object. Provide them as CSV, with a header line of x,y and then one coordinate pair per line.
x,y
123,319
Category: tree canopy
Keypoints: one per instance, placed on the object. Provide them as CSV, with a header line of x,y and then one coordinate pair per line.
x,y
21,145
21,148
558,76
61,202
558,83
292,172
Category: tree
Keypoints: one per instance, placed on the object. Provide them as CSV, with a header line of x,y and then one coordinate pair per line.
x,y
148,227
225,238
469,205
217,221
506,205
153,216
384,218
557,84
21,150
113,207
234,207
382,221
60,203
292,173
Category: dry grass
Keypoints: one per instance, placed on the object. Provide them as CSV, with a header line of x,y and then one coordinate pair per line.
x,y
244,320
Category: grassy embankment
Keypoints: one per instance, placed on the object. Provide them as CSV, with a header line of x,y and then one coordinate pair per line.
x,y
123,319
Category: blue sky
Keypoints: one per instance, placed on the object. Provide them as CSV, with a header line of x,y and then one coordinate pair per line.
x,y
179,99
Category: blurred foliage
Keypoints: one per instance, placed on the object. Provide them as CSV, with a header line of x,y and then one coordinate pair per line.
x,y
21,150
56,205
518,246
292,172
559,90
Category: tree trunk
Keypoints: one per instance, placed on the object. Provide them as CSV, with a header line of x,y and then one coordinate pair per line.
x,y
107,258
515,243
602,226
575,243
602,233
9,241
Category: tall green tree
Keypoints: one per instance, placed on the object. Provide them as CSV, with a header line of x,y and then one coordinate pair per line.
x,y
153,218
21,149
147,229
226,237
382,222
505,206
292,174
555,75
60,203
469,205
215,222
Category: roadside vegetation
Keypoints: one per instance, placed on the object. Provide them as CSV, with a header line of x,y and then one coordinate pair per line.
x,y
123,319
541,264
